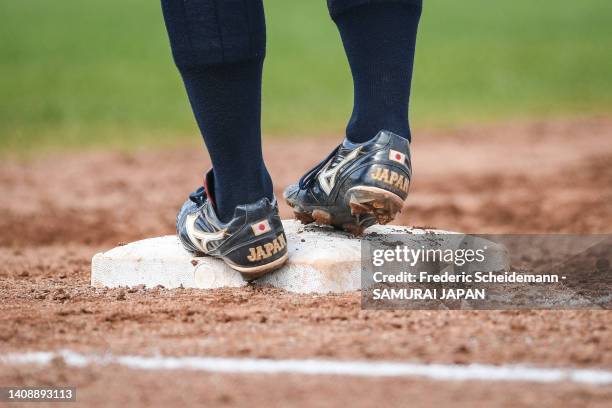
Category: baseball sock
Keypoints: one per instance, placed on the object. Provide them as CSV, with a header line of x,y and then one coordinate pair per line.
x,y
219,49
379,40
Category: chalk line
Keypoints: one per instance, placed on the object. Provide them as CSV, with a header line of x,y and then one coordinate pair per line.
x,y
438,372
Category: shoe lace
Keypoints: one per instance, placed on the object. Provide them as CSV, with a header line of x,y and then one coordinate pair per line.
x,y
199,196
308,178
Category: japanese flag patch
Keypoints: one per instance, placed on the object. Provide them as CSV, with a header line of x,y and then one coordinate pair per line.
x,y
397,156
261,227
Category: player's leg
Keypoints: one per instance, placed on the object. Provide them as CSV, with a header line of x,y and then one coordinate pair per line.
x,y
219,47
366,179
379,39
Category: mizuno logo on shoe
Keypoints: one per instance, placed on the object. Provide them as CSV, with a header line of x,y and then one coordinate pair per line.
x,y
199,238
327,177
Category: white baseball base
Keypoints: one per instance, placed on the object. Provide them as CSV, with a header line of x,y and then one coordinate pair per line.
x,y
321,260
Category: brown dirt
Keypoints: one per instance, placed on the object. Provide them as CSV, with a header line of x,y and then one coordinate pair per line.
x,y
57,211
118,387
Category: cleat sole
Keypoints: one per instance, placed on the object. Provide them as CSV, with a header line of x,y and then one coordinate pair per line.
x,y
380,203
368,206
303,217
322,217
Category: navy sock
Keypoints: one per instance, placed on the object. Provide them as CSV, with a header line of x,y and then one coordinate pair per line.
x,y
226,100
219,48
379,40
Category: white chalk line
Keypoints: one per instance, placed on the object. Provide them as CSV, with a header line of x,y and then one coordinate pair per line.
x,y
438,372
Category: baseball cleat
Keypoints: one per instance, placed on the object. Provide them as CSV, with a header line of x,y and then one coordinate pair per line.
x,y
355,187
253,242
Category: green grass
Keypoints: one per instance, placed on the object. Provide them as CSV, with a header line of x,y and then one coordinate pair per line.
x,y
76,74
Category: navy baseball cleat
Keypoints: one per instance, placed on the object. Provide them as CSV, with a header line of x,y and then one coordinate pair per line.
x,y
355,186
253,242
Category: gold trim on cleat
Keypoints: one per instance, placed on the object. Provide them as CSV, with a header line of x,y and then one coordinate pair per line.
x,y
254,272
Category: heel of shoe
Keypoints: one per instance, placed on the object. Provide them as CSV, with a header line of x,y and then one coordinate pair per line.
x,y
380,203
259,257
255,272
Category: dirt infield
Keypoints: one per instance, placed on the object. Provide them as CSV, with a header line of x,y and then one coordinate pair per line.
x,y
57,211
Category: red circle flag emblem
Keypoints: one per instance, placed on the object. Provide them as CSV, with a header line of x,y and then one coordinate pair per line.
x,y
397,156
260,227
